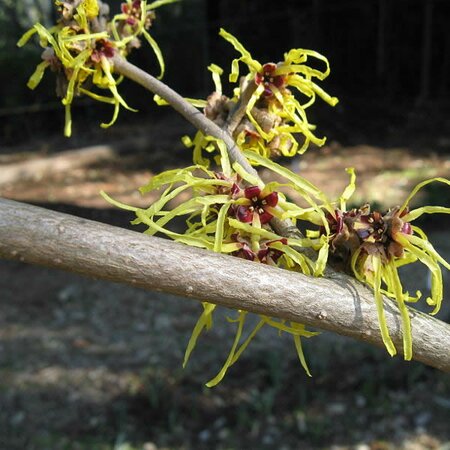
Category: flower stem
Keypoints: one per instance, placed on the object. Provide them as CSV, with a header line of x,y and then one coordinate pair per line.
x,y
201,122
189,112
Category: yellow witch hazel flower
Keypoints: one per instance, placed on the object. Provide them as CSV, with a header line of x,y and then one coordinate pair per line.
x,y
135,19
377,244
273,110
82,58
79,57
272,116
229,212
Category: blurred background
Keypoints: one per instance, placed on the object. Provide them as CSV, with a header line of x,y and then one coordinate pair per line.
x,y
92,365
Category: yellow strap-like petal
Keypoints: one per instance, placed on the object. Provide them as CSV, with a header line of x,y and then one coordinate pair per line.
x,y
349,190
231,356
158,3
377,268
216,73
26,37
420,186
301,355
204,321
396,286
36,77
159,56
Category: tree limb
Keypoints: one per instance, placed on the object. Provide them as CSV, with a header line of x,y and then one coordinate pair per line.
x,y
338,304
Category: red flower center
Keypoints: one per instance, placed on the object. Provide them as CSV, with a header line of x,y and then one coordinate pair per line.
x,y
102,48
257,204
133,11
268,78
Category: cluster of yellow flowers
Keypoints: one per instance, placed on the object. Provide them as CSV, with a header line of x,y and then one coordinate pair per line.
x,y
274,119
81,51
230,210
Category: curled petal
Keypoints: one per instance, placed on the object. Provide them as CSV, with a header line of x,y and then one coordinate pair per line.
x,y
350,188
414,192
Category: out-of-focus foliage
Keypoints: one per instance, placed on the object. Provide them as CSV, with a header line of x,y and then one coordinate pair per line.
x,y
26,12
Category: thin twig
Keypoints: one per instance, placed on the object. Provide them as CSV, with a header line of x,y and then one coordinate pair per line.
x,y
200,121
189,112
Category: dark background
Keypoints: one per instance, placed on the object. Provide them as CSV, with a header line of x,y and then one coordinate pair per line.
x,y
389,61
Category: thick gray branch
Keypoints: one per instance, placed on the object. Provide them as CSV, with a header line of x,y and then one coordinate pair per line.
x,y
338,304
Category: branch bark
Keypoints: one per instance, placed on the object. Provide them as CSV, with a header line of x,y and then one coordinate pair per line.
x,y
338,303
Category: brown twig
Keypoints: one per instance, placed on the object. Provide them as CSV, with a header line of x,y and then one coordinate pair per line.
x,y
339,304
